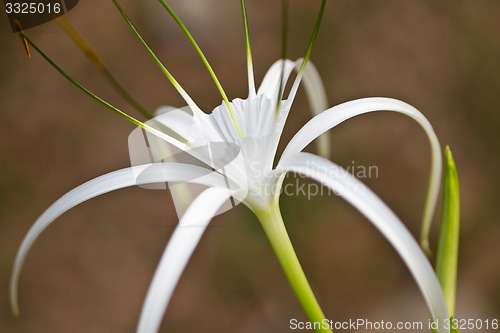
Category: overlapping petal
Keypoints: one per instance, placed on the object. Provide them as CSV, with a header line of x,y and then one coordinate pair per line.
x,y
375,210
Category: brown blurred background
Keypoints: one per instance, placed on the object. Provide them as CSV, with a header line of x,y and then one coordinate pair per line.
x,y
89,272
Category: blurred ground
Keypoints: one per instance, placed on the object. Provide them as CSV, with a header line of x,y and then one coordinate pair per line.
x,y
89,272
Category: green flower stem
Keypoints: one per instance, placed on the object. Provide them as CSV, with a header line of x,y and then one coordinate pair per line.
x,y
273,225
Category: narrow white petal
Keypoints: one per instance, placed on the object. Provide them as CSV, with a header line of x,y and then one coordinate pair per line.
x,y
137,175
314,88
337,114
356,193
176,255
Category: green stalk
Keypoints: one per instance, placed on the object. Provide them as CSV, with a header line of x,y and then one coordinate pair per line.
x,y
447,253
207,65
273,225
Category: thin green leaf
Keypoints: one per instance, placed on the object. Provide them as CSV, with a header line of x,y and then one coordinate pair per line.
x,y
447,254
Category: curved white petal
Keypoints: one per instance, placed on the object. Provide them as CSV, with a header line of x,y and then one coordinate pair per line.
x,y
271,83
316,95
176,255
313,86
137,175
357,194
337,114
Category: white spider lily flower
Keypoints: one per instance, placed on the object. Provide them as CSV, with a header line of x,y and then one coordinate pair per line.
x,y
262,128
234,148
253,172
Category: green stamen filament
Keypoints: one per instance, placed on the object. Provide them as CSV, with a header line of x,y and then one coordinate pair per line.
x,y
251,80
106,104
284,42
174,82
89,52
311,43
207,65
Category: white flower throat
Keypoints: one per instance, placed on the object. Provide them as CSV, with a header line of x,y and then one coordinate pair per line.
x,y
213,141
